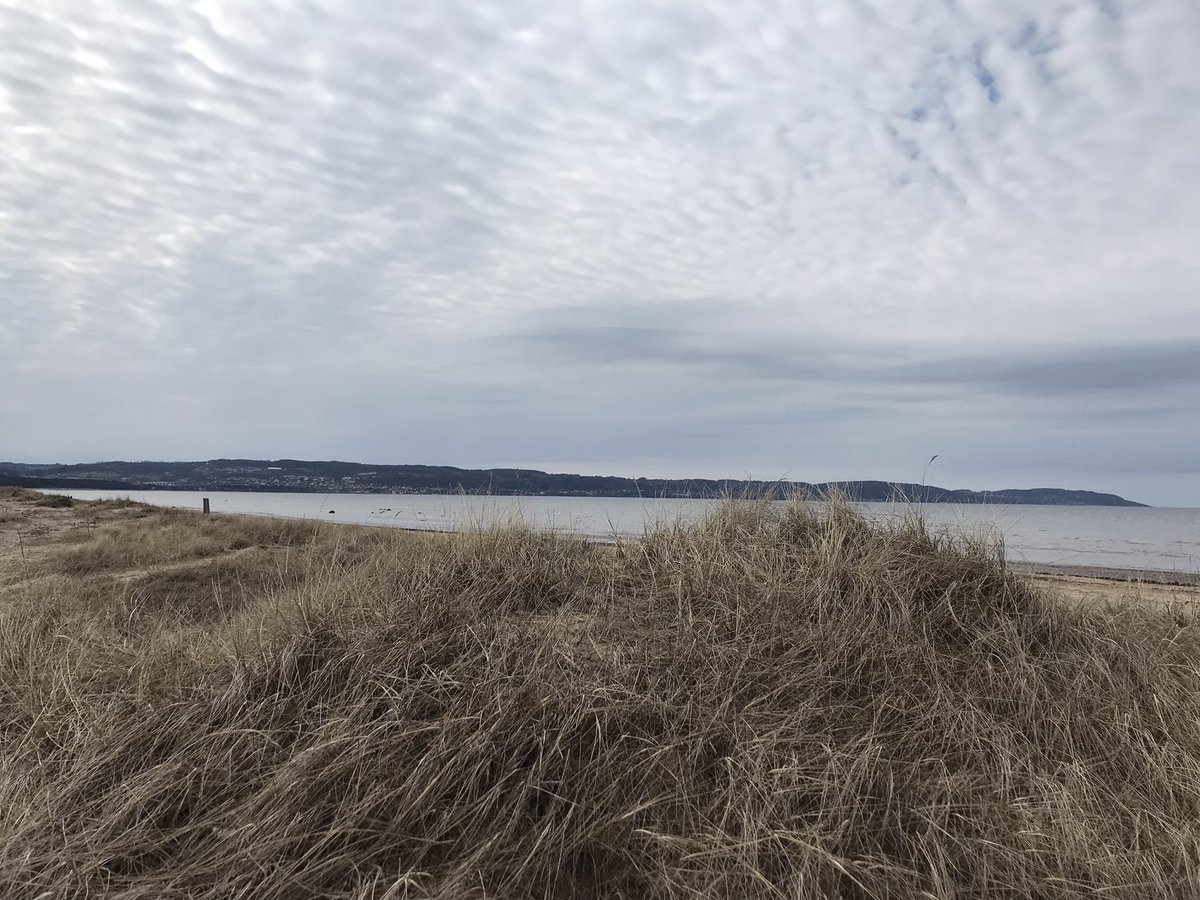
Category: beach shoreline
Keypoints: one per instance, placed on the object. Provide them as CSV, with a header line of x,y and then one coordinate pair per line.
x,y
1109,573
27,528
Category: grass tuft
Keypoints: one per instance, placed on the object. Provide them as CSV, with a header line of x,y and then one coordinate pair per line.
x,y
774,702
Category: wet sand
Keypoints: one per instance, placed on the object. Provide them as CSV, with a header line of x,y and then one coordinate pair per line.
x,y
1089,584
1137,576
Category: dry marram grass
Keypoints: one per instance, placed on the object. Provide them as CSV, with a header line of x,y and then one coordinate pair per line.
x,y
776,702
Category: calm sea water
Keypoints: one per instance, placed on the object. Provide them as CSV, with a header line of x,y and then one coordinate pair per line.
x,y
1136,538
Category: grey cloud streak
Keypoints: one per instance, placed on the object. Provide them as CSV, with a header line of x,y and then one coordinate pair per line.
x,y
700,237
1054,371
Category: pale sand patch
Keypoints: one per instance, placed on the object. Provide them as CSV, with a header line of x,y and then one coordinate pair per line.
x,y
29,532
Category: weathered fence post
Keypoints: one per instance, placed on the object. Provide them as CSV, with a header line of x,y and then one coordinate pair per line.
x,y
206,506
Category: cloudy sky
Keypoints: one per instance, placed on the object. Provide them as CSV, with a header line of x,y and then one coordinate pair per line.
x,y
807,240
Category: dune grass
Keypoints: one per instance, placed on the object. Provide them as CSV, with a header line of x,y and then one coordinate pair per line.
x,y
775,702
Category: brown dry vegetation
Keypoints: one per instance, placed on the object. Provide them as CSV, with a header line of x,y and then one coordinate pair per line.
x,y
771,703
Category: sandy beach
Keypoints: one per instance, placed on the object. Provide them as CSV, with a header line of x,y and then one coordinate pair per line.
x,y
1096,583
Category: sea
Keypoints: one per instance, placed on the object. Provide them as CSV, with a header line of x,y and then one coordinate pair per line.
x,y
1138,538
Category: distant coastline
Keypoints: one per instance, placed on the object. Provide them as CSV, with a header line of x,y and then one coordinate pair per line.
x,y
335,477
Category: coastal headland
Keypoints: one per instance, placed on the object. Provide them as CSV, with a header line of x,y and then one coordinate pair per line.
x,y
333,477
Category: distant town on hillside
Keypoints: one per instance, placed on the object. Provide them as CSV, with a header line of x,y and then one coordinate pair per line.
x,y
360,478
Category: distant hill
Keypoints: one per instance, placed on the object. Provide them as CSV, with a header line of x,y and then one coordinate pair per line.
x,y
358,478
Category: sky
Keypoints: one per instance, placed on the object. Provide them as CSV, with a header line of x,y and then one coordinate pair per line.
x,y
806,240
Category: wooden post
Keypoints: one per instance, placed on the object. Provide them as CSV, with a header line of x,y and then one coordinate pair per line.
x,y
206,506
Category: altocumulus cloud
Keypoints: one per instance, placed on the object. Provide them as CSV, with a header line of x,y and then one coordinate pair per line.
x,y
808,240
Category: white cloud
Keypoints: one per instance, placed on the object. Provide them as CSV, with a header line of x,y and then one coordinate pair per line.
x,y
300,195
